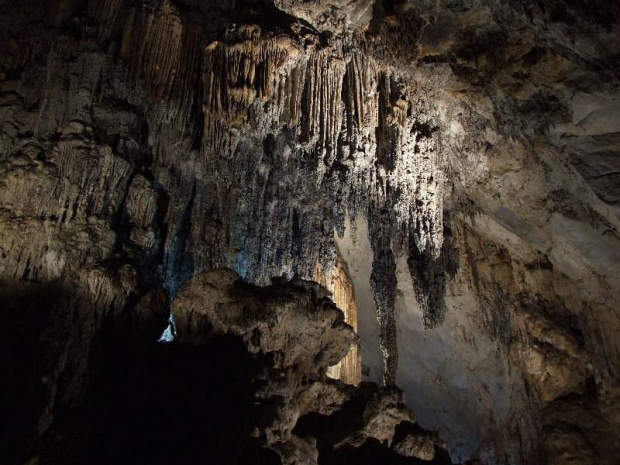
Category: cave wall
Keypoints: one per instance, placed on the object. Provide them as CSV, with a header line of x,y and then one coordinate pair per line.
x,y
460,158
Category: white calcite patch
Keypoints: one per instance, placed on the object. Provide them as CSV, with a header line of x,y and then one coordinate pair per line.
x,y
454,377
355,250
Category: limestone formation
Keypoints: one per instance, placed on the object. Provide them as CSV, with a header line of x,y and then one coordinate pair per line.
x,y
297,333
447,169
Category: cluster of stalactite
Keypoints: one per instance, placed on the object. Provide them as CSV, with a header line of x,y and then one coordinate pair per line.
x,y
287,138
251,151
341,138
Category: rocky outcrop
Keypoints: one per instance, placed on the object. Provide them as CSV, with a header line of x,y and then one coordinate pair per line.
x,y
217,303
297,333
270,348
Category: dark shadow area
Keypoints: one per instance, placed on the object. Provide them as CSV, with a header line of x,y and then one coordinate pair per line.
x,y
120,397
170,404
372,452
25,314
141,402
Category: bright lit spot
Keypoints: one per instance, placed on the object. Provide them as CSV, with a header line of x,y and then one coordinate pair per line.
x,y
170,333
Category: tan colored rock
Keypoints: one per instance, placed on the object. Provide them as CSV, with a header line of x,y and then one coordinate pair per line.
x,y
420,447
217,302
382,413
552,372
297,332
349,369
141,202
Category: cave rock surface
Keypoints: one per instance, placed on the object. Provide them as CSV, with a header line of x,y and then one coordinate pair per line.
x,y
452,167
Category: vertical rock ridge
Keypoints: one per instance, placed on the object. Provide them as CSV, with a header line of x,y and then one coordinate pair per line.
x,y
321,118
155,55
349,369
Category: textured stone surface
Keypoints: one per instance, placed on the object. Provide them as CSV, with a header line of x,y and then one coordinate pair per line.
x,y
461,157
218,302
349,369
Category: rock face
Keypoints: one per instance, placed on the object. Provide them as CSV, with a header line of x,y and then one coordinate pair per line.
x,y
296,332
448,169
349,369
244,382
